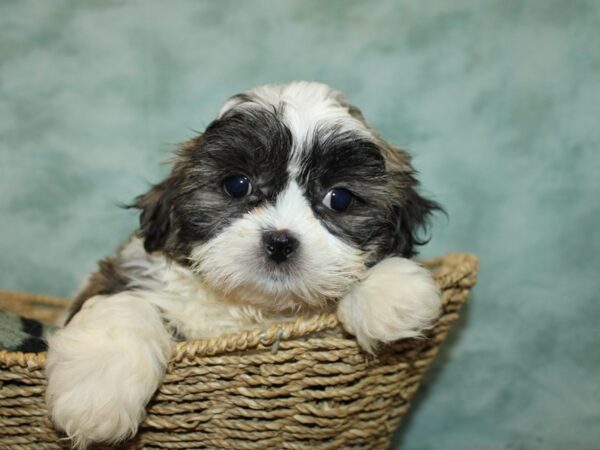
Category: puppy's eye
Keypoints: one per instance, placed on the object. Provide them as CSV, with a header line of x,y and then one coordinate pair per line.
x,y
338,199
237,186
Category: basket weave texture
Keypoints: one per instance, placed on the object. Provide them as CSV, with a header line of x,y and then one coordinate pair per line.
x,y
297,385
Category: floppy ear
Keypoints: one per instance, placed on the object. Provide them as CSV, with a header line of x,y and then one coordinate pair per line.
x,y
411,212
156,215
411,219
157,205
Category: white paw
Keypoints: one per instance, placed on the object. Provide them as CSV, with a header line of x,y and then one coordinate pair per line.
x,y
398,299
104,366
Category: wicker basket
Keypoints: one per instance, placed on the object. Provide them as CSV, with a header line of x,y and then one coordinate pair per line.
x,y
297,385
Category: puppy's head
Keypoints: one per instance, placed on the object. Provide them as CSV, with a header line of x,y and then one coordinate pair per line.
x,y
286,199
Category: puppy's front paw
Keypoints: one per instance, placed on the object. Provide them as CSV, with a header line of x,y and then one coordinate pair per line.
x,y
103,367
398,299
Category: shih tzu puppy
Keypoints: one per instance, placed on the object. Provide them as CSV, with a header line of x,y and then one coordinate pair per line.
x,y
287,204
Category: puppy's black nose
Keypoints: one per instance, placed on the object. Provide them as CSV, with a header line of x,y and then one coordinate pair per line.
x,y
279,245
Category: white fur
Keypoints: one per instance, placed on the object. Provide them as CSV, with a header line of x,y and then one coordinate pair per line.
x,y
398,299
104,366
187,304
234,262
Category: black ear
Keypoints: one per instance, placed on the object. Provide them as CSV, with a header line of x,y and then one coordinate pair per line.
x,y
156,215
412,218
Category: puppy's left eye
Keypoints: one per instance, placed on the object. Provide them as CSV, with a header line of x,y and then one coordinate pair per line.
x,y
237,186
338,199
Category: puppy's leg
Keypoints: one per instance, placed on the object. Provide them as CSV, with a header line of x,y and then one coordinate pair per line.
x,y
104,366
398,299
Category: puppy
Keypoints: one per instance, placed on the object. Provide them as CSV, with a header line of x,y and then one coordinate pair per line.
x,y
288,203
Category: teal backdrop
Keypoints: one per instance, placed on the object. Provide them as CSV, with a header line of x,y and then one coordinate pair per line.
x,y
499,101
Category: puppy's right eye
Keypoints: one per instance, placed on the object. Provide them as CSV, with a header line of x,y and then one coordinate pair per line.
x,y
237,186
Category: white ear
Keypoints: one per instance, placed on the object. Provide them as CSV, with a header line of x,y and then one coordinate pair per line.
x,y
398,299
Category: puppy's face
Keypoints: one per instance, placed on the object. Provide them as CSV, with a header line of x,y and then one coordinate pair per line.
x,y
285,199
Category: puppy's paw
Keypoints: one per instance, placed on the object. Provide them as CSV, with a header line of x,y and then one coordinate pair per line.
x,y
398,299
103,367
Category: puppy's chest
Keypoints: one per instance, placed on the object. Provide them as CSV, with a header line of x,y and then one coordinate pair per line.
x,y
187,306
196,312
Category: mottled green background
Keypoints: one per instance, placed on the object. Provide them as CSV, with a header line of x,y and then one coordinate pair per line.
x,y
498,100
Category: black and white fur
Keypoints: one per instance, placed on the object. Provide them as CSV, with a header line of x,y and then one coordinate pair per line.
x,y
197,266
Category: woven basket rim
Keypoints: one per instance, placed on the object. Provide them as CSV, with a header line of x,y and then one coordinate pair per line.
x,y
465,267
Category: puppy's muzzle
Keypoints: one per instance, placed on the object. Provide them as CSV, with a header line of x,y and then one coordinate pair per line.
x,y
279,245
